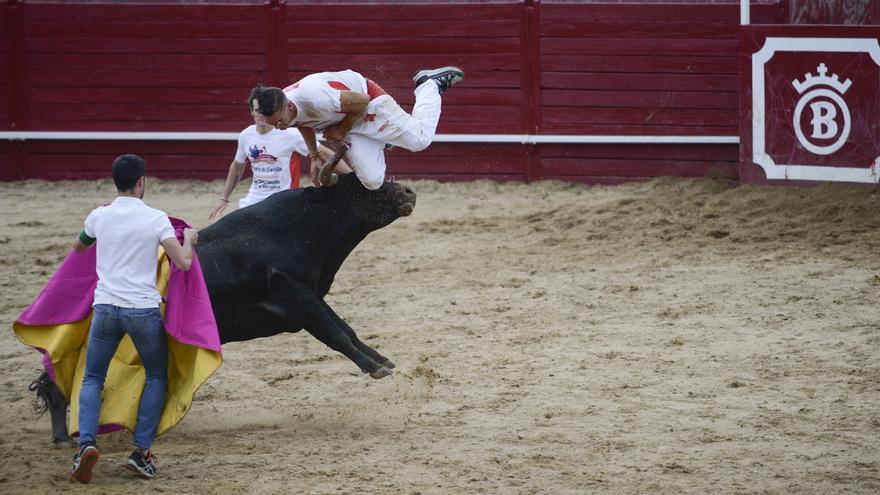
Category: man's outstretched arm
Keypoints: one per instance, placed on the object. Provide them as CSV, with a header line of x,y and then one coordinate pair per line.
x,y
354,106
236,171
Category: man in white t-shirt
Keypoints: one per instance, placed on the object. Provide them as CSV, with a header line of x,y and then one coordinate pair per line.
x,y
348,107
271,154
126,301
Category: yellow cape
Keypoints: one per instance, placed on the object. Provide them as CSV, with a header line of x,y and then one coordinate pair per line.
x,y
188,368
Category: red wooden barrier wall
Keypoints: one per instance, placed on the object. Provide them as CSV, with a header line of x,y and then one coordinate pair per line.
x,y
532,68
640,69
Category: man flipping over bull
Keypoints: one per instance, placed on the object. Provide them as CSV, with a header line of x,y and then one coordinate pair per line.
x,y
347,107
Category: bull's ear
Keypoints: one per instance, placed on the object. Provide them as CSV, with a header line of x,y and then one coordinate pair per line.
x,y
278,283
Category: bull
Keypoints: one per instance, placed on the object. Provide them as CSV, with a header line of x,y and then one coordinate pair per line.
x,y
267,268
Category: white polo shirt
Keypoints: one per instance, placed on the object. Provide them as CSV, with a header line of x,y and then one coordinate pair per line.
x,y
128,234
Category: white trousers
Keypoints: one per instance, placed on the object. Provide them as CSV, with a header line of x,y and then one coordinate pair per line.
x,y
386,123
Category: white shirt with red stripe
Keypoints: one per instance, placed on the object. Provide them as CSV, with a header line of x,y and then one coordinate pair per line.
x,y
272,160
316,97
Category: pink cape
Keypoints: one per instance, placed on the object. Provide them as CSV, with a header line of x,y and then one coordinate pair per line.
x,y
68,297
69,294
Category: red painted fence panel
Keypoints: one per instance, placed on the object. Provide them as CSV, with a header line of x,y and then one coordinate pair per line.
x,y
123,67
57,160
626,68
612,163
646,70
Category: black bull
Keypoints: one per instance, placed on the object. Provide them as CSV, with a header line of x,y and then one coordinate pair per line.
x,y
269,266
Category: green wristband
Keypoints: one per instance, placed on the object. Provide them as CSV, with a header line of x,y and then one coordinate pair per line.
x,y
85,239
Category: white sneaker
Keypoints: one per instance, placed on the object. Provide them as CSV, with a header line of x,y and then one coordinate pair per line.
x,y
445,77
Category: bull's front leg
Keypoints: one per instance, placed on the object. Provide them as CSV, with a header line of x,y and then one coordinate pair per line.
x,y
299,305
302,305
325,328
333,337
384,361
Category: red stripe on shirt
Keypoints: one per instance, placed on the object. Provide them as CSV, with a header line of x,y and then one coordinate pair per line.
x,y
338,85
374,90
294,171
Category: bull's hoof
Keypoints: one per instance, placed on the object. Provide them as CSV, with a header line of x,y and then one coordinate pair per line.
x,y
388,364
382,372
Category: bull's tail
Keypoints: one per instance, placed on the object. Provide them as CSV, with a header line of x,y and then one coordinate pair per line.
x,y
49,398
44,398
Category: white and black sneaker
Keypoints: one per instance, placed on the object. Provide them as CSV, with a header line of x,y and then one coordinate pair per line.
x,y
445,77
83,462
142,462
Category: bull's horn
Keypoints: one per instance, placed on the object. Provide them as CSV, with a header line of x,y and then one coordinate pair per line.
x,y
326,176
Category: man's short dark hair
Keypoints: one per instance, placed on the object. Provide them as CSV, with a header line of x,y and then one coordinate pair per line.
x,y
269,99
127,169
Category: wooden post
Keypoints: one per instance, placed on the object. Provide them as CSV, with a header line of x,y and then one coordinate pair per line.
x,y
531,54
14,40
277,45
17,95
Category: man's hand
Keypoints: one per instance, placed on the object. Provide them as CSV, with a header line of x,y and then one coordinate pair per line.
x,y
78,246
181,255
83,242
315,170
191,235
218,208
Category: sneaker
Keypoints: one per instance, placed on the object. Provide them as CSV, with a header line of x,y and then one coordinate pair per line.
x,y
142,462
445,77
83,462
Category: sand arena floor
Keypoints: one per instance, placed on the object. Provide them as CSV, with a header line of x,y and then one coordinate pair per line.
x,y
674,336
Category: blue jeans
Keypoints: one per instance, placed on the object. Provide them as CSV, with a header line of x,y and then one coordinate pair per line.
x,y
144,326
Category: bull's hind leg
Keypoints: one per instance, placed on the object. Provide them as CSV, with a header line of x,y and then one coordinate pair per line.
x,y
49,398
369,351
